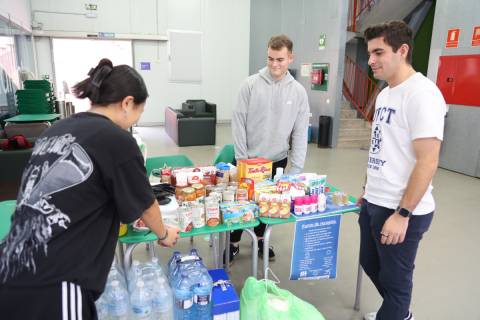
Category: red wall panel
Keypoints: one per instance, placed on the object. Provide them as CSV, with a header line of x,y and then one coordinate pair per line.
x,y
459,79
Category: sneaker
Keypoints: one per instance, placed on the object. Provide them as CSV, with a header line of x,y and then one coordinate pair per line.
x,y
370,316
234,250
373,316
271,254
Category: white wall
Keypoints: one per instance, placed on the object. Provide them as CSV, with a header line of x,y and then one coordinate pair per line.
x,y
225,25
18,12
460,148
303,21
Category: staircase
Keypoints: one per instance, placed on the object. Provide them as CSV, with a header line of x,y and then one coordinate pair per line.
x,y
354,132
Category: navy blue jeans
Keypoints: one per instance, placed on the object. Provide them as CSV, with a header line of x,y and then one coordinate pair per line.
x,y
390,267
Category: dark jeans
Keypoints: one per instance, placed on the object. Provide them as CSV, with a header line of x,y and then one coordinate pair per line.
x,y
390,267
259,230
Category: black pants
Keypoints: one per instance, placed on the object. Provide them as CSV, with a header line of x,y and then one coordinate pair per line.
x,y
390,267
63,301
259,230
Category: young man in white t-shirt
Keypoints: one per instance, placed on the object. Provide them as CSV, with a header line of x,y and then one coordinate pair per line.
x,y
398,205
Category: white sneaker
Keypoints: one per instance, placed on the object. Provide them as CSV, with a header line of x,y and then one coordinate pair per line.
x,y
370,316
373,316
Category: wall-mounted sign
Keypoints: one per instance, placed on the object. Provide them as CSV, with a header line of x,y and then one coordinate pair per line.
x,y
476,36
452,38
144,65
305,69
106,35
322,41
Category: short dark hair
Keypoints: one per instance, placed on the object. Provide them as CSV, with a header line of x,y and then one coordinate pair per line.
x,y
107,84
280,41
394,33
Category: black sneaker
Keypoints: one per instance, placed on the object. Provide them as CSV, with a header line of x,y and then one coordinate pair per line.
x,y
271,254
234,250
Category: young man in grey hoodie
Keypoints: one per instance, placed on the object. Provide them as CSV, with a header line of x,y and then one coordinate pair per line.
x,y
272,111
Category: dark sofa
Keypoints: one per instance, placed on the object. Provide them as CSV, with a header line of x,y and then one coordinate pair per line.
x,y
193,125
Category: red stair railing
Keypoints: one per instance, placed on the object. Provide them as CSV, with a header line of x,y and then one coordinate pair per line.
x,y
359,89
357,7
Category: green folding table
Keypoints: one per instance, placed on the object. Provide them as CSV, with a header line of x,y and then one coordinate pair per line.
x,y
133,238
271,222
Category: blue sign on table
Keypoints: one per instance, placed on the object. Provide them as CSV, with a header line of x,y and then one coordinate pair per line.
x,y
144,65
315,247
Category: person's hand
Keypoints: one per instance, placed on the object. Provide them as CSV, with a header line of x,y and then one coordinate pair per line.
x,y
172,237
394,229
360,199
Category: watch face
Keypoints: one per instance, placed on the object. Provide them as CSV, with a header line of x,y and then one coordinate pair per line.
x,y
404,212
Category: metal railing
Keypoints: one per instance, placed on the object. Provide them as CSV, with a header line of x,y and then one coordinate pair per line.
x,y
360,89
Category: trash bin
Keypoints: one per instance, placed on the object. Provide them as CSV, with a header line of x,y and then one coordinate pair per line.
x,y
324,129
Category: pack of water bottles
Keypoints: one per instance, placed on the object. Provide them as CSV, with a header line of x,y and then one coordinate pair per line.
x,y
142,293
191,285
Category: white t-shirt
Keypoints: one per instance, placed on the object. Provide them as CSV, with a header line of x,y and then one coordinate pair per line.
x,y
411,110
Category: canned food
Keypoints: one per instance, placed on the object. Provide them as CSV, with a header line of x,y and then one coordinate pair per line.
x,y
242,195
199,190
189,194
228,195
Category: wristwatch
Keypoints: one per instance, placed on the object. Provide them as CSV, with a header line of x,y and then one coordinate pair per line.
x,y
404,212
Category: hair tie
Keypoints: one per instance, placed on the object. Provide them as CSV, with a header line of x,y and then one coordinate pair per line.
x,y
99,75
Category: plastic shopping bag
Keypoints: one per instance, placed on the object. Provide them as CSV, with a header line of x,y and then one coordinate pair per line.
x,y
263,300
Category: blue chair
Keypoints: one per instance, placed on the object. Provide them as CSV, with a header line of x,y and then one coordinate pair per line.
x,y
226,154
7,208
175,161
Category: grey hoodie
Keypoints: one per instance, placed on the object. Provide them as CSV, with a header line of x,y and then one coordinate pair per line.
x,y
267,113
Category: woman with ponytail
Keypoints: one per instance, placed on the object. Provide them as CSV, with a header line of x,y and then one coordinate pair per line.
x,y
85,176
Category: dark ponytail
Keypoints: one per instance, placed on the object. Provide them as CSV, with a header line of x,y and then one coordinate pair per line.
x,y
107,84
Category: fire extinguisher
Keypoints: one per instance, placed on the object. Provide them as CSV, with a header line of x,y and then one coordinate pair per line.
x,y
317,76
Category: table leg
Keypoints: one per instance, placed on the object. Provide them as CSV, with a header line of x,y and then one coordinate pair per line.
x,y
221,248
266,245
358,289
227,252
214,251
127,261
151,249
254,251
119,254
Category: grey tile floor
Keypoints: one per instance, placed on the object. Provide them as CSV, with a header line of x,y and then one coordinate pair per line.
x,y
446,279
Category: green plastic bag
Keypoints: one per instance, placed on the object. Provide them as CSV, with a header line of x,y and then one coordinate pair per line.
x,y
263,300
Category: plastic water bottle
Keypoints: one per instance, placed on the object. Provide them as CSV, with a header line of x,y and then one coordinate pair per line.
x,y
115,275
322,202
141,302
278,174
202,292
183,266
133,273
172,262
162,300
184,299
102,307
117,300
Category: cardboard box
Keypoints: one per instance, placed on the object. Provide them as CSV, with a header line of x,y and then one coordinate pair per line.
x,y
226,304
257,169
